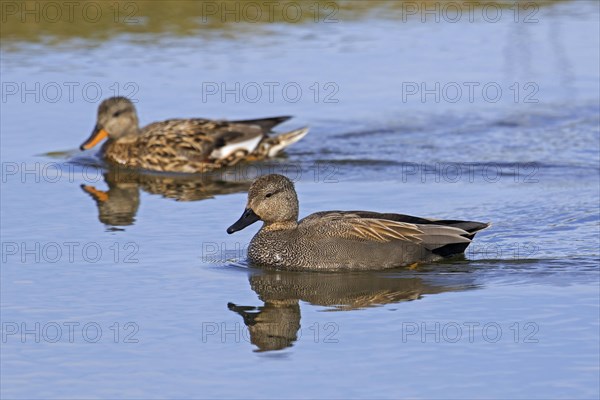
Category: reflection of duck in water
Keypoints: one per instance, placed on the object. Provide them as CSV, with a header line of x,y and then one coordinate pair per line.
x,y
119,204
191,145
275,325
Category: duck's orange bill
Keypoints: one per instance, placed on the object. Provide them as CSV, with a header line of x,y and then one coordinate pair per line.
x,y
95,193
97,136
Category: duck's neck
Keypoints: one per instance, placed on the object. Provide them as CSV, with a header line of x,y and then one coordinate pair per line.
x,y
280,226
129,138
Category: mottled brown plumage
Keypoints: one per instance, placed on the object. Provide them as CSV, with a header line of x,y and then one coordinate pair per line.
x,y
183,145
342,240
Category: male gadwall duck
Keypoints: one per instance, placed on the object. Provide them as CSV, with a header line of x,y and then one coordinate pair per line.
x,y
342,240
183,145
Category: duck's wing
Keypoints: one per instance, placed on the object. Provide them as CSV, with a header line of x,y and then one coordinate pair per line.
x,y
471,227
199,140
271,146
356,227
266,124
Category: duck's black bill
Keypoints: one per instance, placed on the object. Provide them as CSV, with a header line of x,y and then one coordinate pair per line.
x,y
247,218
96,137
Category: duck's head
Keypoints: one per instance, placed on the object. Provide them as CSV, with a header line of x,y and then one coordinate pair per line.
x,y
271,199
116,118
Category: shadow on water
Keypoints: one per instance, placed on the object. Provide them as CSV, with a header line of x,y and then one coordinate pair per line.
x,y
275,325
118,205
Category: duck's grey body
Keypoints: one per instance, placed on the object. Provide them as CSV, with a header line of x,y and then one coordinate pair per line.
x,y
296,251
321,241
343,240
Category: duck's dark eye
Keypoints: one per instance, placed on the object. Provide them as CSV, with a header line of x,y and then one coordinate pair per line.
x,y
269,195
117,113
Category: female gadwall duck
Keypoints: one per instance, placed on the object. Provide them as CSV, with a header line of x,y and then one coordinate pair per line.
x,y
342,240
183,145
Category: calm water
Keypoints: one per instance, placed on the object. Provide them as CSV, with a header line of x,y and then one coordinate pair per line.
x,y
144,295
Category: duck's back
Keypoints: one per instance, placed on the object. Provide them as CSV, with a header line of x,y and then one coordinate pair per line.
x,y
187,145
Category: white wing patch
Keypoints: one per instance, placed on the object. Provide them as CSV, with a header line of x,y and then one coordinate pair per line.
x,y
225,151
